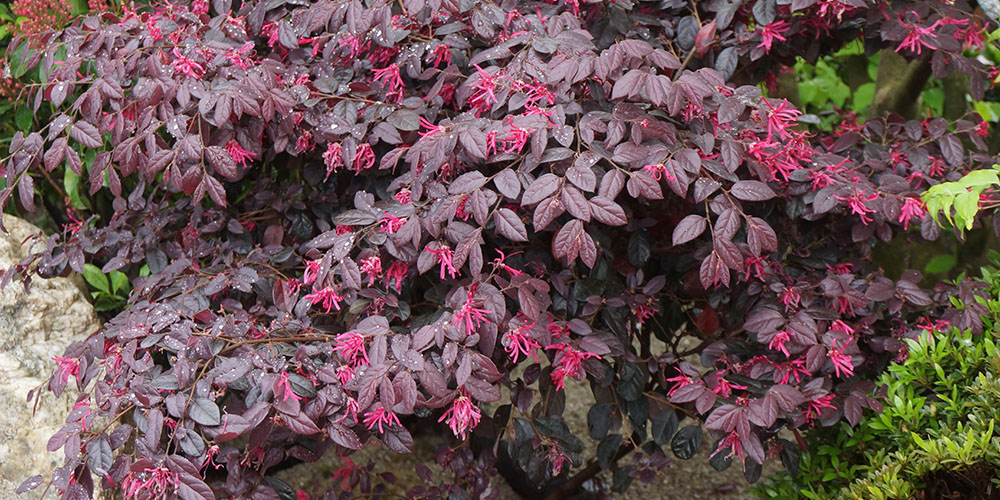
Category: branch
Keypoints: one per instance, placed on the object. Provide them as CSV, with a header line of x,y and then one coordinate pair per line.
x,y
573,484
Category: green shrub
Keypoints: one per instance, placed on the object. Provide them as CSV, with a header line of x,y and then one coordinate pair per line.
x,y
940,409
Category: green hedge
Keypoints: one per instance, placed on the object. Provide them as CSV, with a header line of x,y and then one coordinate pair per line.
x,y
940,411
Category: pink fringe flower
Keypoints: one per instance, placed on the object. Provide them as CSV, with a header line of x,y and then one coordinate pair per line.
x,y
462,416
239,154
568,362
911,208
772,32
351,346
186,66
841,361
379,417
372,266
446,259
150,483
519,342
469,314
284,388
68,367
390,223
395,274
778,342
918,36
332,158
328,296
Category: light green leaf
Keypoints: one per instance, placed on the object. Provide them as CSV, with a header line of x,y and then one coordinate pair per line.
x,y
119,281
863,96
979,179
988,110
940,264
966,207
71,182
934,98
96,278
807,92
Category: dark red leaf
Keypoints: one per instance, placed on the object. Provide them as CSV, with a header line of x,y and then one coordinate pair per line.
x,y
607,211
541,188
582,177
507,183
510,225
689,228
611,184
54,156
951,150
760,236
629,85
222,162
642,184
576,204
546,212
752,191
764,320
86,134
467,182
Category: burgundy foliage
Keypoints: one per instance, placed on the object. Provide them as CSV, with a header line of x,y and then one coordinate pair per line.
x,y
358,217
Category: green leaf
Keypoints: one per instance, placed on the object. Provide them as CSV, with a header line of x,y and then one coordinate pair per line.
x,y
105,302
808,92
71,182
93,275
23,117
16,61
119,281
599,420
988,110
607,450
621,479
934,99
940,264
863,96
966,207
980,179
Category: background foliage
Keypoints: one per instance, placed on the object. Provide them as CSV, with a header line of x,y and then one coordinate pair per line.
x,y
362,219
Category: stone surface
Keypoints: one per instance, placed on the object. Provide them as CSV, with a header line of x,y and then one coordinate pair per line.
x,y
33,328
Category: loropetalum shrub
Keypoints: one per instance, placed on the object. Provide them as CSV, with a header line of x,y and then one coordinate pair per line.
x,y
358,217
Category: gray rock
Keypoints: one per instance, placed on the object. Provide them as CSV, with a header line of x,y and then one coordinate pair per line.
x,y
33,328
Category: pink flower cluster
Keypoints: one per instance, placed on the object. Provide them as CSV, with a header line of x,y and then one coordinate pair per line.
x,y
150,483
380,417
518,342
462,416
470,316
568,362
41,15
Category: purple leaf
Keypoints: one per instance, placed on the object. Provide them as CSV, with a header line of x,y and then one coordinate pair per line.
x,y
607,211
752,191
205,412
510,225
541,188
764,320
86,134
689,228
29,484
